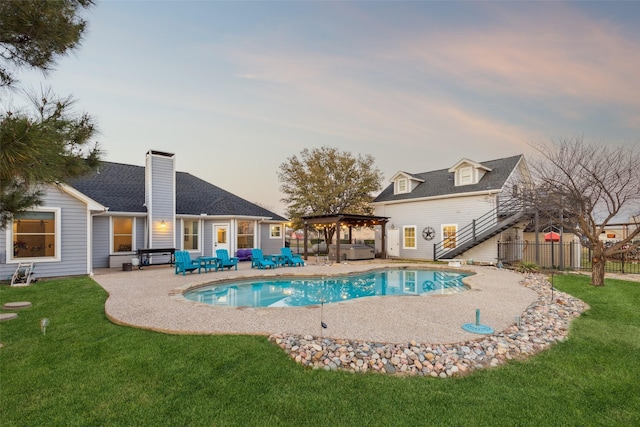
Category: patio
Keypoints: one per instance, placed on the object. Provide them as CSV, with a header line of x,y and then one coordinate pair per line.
x,y
152,299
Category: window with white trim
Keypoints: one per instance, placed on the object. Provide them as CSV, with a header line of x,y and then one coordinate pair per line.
x,y
402,186
245,234
466,175
191,235
449,233
275,231
409,237
35,234
122,233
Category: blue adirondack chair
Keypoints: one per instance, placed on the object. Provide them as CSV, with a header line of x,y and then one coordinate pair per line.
x,y
258,260
184,263
290,258
226,260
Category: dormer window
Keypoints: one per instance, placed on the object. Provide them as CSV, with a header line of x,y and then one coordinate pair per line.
x,y
466,174
404,183
402,186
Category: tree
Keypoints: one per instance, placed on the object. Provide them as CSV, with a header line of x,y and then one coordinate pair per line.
x,y
584,186
45,142
327,181
33,33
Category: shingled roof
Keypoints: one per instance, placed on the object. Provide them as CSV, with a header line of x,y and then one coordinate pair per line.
x,y
121,187
441,182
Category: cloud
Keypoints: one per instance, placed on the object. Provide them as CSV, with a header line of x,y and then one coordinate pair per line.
x,y
549,53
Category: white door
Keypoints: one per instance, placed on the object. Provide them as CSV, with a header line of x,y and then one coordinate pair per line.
x,y
221,237
393,243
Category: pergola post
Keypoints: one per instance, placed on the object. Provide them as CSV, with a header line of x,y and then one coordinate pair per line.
x,y
305,234
338,241
383,239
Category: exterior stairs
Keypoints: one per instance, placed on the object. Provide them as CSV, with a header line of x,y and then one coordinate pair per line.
x,y
505,215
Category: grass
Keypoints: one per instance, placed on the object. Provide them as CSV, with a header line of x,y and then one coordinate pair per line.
x,y
87,371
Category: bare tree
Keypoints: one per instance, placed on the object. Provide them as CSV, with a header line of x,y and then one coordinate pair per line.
x,y
589,184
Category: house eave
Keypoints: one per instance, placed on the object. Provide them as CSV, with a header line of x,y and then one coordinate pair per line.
x,y
92,205
439,197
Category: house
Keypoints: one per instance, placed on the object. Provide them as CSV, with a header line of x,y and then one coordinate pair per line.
x,y
102,219
459,212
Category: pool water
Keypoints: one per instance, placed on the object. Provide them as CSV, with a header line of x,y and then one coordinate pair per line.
x,y
299,292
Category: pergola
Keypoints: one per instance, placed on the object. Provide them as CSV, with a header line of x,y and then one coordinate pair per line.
x,y
350,220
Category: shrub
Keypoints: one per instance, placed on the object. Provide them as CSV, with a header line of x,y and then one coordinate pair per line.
x,y
527,267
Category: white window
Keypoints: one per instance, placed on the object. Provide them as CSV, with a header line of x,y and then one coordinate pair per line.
x,y
245,234
449,232
401,186
466,175
36,234
191,235
409,236
275,231
122,233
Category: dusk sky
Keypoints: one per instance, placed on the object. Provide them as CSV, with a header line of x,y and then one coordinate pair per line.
x,y
236,88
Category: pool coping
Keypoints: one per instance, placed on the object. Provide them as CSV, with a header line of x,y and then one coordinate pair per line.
x,y
152,299
180,291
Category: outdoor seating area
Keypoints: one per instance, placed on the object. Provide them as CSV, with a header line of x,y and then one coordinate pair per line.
x,y
283,259
225,261
185,264
291,259
258,260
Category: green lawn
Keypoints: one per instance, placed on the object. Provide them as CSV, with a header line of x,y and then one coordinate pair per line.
x,y
87,371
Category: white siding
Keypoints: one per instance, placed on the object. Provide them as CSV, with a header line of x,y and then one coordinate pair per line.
x,y
434,213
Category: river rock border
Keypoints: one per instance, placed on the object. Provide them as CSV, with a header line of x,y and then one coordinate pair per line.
x,y
542,324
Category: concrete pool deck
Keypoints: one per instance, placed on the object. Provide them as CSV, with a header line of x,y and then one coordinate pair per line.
x,y
152,299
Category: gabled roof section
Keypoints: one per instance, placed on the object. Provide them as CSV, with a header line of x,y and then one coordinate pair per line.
x,y
466,161
121,188
116,186
402,174
441,182
91,204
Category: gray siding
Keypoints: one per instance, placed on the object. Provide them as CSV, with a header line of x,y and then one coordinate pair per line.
x,y
140,224
267,244
100,255
207,238
161,201
73,239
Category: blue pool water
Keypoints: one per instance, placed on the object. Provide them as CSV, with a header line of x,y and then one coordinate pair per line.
x,y
298,292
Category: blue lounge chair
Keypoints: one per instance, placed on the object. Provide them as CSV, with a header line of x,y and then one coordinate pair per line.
x,y
226,260
258,260
184,263
290,258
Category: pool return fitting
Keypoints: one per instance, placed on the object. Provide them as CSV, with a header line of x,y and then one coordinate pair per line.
x,y
477,328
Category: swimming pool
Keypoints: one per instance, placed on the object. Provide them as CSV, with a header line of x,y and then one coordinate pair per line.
x,y
299,292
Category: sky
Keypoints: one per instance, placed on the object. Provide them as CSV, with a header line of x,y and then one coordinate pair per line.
x,y
236,88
